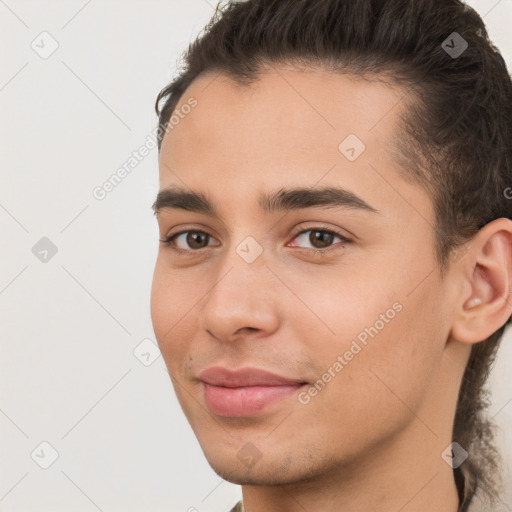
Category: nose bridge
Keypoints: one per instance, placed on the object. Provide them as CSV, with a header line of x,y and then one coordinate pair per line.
x,y
245,254
242,273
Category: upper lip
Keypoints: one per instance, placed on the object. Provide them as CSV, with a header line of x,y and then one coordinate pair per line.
x,y
219,376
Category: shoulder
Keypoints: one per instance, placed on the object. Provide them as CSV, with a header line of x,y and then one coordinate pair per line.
x,y
239,507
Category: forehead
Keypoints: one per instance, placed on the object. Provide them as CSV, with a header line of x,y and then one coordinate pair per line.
x,y
289,126
311,102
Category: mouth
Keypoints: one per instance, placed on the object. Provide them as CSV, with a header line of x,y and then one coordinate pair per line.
x,y
245,400
245,391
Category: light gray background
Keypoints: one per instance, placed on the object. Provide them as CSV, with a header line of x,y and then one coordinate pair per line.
x,y
69,326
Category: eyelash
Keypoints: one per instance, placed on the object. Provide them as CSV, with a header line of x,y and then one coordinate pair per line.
x,y
169,241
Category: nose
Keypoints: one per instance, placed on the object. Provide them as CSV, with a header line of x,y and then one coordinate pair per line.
x,y
243,300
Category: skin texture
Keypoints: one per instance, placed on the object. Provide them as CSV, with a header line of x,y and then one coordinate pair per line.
x,y
372,438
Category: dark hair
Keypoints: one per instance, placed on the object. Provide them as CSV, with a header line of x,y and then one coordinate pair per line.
x,y
455,132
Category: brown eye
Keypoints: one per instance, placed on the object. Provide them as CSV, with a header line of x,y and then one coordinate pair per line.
x,y
190,241
196,239
320,239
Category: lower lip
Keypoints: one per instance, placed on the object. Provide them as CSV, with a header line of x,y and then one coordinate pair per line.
x,y
246,401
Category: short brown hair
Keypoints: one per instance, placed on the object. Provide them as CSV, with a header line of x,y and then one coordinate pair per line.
x,y
455,134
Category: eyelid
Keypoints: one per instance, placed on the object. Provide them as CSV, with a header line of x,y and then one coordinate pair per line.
x,y
303,227
195,228
322,252
168,240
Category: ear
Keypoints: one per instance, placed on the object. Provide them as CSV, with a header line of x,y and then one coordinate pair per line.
x,y
485,304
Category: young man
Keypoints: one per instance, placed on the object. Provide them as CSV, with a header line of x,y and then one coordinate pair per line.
x,y
335,267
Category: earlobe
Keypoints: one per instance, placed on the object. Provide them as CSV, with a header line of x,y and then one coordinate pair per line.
x,y
487,269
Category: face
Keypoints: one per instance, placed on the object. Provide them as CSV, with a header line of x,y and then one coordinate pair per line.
x,y
339,291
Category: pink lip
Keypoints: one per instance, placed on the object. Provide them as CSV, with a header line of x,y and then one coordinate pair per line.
x,y
244,392
219,376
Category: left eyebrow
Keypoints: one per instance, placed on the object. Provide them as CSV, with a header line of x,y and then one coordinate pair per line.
x,y
280,200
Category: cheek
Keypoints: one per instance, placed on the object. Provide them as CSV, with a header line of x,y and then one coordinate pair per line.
x,y
372,392
170,307
373,345
336,308
159,305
